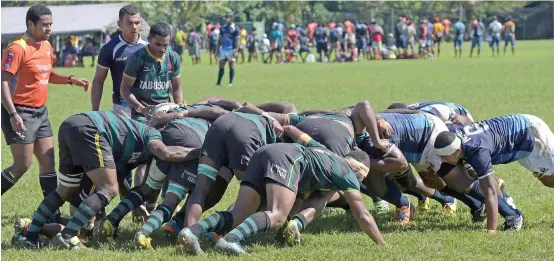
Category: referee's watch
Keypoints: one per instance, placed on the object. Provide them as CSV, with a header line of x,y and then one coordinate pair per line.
x,y
69,79
12,114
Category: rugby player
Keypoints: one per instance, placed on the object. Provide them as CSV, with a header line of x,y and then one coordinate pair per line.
x,y
230,142
509,31
96,143
449,113
495,28
151,73
459,31
478,29
26,72
113,58
186,127
277,173
226,49
438,34
520,137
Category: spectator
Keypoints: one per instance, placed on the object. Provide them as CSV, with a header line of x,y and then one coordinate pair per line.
x,y
321,39
265,46
304,46
410,33
90,49
377,38
179,41
213,38
252,45
478,31
194,43
242,42
399,30
292,42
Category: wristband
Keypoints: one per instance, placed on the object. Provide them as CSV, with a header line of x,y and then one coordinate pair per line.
x,y
12,114
303,139
69,79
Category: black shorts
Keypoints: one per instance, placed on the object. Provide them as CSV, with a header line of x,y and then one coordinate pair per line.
x,y
274,163
36,121
179,49
334,135
231,141
82,147
183,173
321,47
213,48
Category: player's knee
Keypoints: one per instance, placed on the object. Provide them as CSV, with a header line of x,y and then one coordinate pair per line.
x,y
20,166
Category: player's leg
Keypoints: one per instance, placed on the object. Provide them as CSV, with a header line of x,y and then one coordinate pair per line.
x,y
22,155
221,71
280,200
232,70
106,183
513,42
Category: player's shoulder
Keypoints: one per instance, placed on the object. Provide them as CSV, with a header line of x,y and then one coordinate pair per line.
x,y
19,44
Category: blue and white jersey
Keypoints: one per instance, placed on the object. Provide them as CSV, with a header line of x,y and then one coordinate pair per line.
x,y
229,34
444,110
495,141
113,56
411,134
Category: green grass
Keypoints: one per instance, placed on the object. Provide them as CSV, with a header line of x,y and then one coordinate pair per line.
x,y
487,86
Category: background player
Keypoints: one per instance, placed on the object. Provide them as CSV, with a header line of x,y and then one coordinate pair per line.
x,y
227,51
113,57
151,73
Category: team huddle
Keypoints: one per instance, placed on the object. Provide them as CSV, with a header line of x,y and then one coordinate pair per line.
x,y
291,165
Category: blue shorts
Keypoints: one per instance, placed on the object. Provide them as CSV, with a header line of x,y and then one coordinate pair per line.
x,y
458,40
362,44
495,40
304,49
477,41
509,38
401,42
429,43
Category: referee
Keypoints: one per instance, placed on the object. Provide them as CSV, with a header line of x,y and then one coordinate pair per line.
x,y
26,73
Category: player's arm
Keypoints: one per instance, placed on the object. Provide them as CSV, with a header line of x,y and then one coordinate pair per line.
x,y
227,104
132,69
402,111
480,160
364,118
57,78
298,136
176,79
105,59
98,87
172,153
365,220
460,119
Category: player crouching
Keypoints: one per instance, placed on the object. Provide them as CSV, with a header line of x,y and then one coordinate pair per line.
x,y
277,173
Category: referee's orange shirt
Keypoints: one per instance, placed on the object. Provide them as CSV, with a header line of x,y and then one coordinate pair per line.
x,y
31,62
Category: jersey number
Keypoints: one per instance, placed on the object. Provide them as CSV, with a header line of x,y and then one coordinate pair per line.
x,y
475,128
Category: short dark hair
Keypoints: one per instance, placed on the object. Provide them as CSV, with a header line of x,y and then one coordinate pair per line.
x,y
128,10
360,156
398,105
159,28
444,139
35,12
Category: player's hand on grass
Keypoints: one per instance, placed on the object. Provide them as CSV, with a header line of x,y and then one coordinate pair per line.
x,y
80,82
17,124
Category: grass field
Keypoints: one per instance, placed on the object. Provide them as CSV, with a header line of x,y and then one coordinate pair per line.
x,y
487,86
